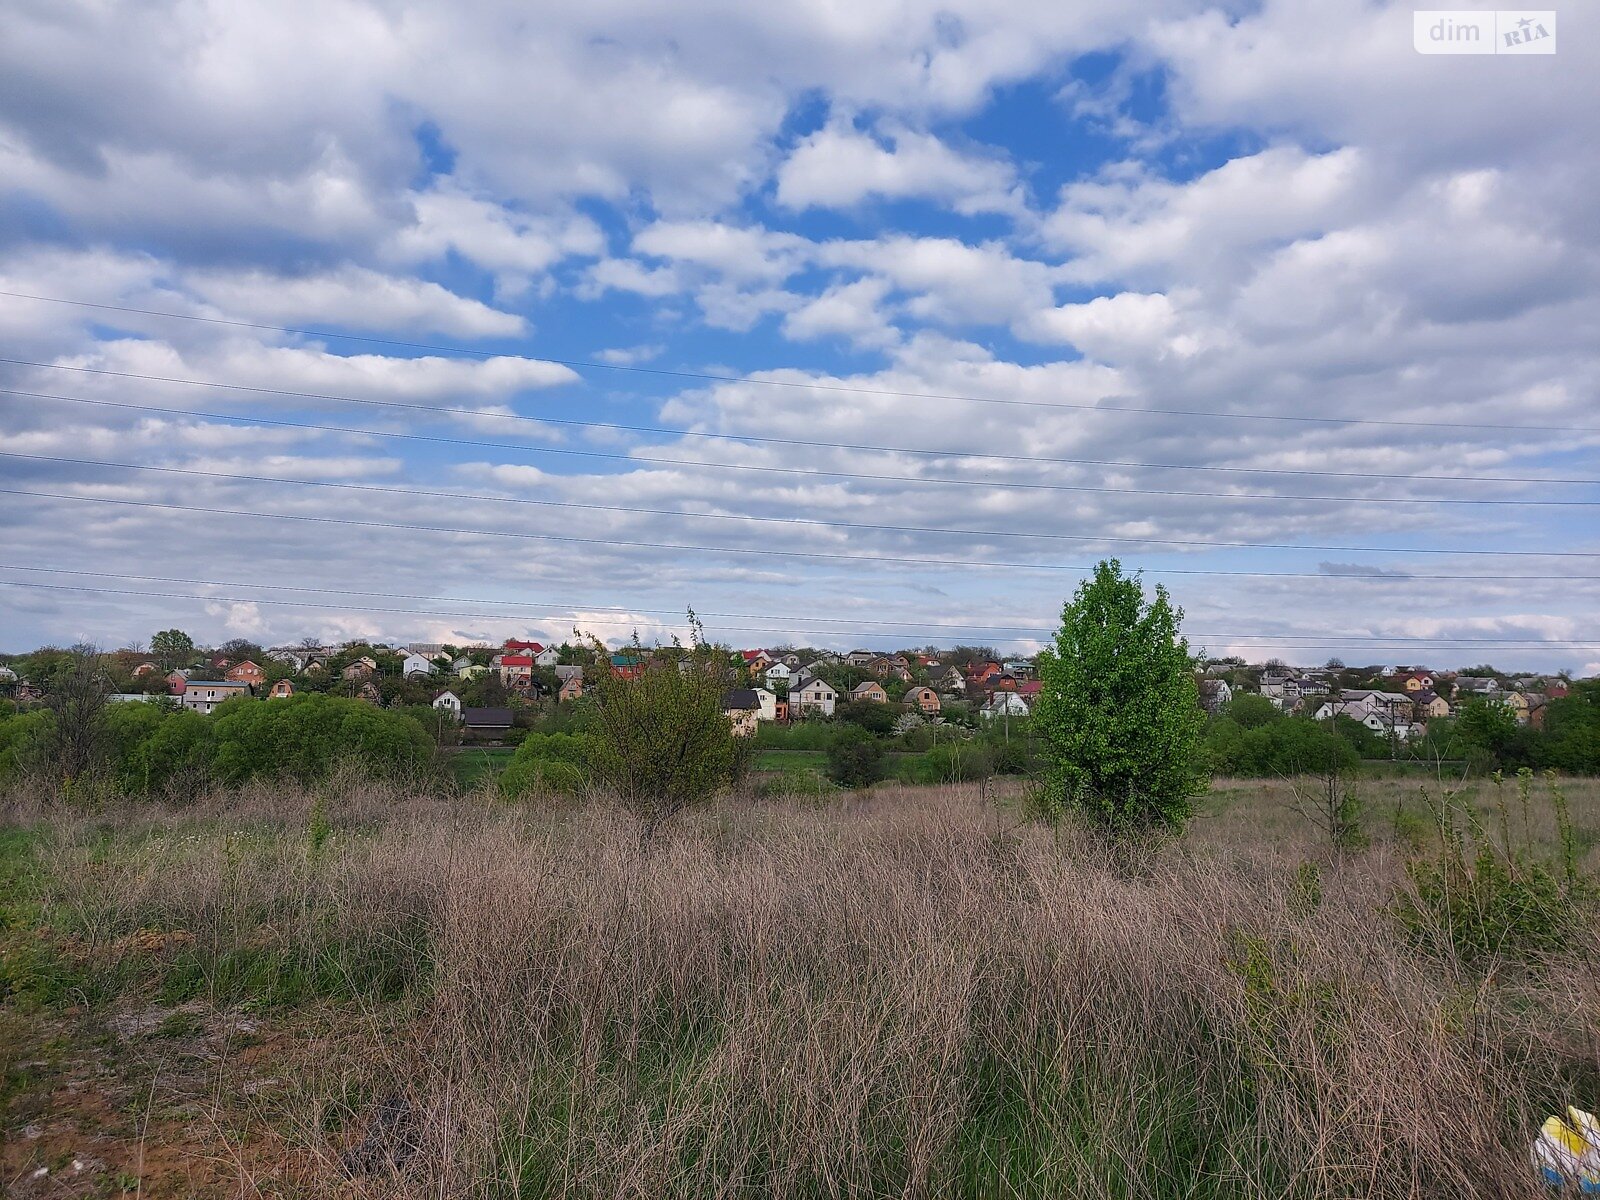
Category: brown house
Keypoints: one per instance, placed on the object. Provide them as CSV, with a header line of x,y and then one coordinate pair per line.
x,y
924,699
245,672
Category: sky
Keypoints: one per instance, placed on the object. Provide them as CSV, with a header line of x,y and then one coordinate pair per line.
x,y
867,324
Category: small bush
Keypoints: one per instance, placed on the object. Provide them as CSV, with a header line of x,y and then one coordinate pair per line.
x,y
1480,896
855,758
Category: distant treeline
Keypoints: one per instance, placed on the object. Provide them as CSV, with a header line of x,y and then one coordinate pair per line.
x,y
1252,738
156,748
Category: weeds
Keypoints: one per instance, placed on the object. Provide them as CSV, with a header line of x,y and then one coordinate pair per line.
x,y
889,994
1484,896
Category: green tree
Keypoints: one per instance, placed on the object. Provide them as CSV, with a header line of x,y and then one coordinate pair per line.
x,y
172,648
1119,712
660,741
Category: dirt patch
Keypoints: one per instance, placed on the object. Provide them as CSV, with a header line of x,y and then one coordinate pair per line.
x,y
163,1102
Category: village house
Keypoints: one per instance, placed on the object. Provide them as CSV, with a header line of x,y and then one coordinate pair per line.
x,y
1004,704
203,696
487,723
627,666
280,690
1214,694
952,682
570,683
1029,690
516,670
816,696
547,658
362,668
1475,685
448,702
755,661
777,673
176,682
924,700
1282,690
514,646
415,664
870,691
143,669
742,707
369,693
1430,705
769,704
246,672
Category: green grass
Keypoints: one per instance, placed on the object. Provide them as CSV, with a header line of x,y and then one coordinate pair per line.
x,y
473,764
787,761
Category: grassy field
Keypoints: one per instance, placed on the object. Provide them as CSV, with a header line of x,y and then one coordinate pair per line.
x,y
472,765
910,992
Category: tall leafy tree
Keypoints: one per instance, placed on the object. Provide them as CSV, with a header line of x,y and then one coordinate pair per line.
x,y
172,648
1119,711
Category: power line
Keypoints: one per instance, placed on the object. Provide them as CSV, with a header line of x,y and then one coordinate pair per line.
x,y
741,550
707,377
803,522
852,622
1366,639
804,472
804,443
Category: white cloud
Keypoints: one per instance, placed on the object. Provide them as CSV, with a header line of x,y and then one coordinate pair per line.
x,y
839,166
351,296
852,311
1115,328
510,243
631,356
1129,225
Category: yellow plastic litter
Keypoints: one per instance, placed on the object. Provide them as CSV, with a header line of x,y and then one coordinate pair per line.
x,y
1568,1156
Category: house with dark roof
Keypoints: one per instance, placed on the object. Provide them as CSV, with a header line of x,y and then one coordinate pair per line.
x,y
486,722
742,707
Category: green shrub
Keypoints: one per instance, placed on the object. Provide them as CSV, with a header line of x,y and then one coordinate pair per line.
x,y
855,758
548,762
1480,896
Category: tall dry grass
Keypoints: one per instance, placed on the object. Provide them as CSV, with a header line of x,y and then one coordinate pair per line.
x,y
911,994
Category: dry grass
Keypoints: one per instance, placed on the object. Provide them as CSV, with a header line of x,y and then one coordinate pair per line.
x,y
909,994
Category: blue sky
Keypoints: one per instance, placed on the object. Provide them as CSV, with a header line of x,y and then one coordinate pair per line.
x,y
990,256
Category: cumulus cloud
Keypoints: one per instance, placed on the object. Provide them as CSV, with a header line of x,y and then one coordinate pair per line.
x,y
352,296
840,165
1306,222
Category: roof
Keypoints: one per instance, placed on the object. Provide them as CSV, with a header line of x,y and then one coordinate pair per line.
x,y
741,700
531,647
516,660
487,717
566,671
811,683
200,683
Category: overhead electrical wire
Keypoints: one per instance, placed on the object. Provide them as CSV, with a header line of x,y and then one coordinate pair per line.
x,y
803,443
802,522
982,564
808,472
710,377
785,621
